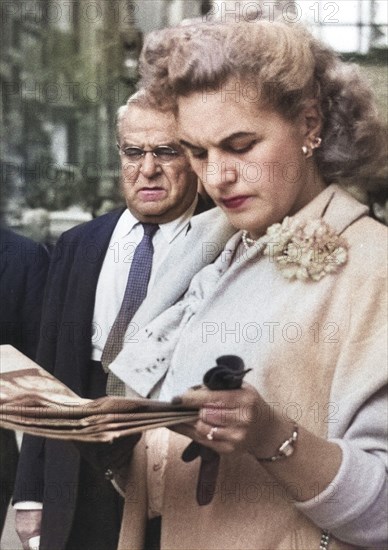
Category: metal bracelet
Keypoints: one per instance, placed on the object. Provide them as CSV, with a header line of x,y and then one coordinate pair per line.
x,y
285,450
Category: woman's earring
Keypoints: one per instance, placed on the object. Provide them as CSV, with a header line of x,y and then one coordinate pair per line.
x,y
308,151
316,143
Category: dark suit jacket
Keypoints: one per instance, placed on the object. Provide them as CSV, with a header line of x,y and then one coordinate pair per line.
x,y
23,271
48,469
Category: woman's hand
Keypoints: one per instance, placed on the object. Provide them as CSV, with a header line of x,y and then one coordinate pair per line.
x,y
242,421
231,420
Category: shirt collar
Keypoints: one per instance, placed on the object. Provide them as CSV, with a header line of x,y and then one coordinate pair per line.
x,y
126,223
170,230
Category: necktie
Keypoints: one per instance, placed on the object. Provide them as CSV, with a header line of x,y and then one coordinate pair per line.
x,y
135,292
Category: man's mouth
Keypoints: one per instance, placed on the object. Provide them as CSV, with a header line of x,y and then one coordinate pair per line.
x,y
152,193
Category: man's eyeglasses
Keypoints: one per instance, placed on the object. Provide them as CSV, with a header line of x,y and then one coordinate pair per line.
x,y
163,154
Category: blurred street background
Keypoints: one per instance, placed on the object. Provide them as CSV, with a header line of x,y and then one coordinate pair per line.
x,y
67,65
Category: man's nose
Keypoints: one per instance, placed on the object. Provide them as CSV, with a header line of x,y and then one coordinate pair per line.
x,y
149,165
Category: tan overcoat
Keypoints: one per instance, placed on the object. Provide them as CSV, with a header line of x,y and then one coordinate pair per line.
x,y
318,354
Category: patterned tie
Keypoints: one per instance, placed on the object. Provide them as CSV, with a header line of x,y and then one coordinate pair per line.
x,y
135,292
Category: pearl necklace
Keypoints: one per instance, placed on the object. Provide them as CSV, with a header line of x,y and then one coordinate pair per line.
x,y
248,242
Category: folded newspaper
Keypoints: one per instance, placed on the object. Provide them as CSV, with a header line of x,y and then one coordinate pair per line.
x,y
35,402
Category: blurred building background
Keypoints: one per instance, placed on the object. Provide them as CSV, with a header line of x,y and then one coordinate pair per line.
x,y
67,65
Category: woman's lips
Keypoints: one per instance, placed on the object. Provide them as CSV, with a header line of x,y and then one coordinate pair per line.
x,y
152,193
235,202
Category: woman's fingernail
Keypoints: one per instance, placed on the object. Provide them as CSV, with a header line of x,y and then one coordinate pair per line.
x,y
177,400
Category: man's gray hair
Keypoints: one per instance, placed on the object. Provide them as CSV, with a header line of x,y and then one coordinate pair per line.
x,y
138,99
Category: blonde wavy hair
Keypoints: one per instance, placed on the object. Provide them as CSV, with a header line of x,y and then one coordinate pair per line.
x,y
288,65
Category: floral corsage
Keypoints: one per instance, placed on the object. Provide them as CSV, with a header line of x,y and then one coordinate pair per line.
x,y
305,251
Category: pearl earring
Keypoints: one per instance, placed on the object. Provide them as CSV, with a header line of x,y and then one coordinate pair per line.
x,y
316,143
308,151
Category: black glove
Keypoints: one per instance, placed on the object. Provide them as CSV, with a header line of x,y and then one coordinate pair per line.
x,y
227,375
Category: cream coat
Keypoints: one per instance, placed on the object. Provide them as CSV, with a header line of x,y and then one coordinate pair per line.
x,y
318,354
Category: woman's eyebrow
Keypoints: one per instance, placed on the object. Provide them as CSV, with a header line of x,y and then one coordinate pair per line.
x,y
237,135
222,142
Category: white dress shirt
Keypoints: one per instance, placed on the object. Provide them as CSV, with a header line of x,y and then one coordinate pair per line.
x,y
115,269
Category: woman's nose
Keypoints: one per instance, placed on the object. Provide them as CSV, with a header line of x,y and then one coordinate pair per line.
x,y
220,171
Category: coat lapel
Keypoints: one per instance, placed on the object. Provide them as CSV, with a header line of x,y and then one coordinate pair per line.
x,y
336,207
89,258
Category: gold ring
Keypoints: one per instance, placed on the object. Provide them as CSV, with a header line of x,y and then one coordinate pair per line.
x,y
210,435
